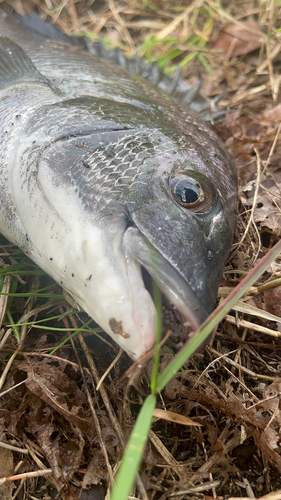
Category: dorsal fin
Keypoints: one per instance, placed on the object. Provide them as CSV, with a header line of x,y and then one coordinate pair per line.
x,y
50,31
175,87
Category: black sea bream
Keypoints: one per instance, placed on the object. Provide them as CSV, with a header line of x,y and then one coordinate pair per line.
x,y
103,175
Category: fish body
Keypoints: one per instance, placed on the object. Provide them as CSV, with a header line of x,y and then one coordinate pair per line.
x,y
103,174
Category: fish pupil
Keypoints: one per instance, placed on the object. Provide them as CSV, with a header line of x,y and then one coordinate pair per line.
x,y
187,192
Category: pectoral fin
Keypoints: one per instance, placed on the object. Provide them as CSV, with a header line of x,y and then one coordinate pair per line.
x,y
15,66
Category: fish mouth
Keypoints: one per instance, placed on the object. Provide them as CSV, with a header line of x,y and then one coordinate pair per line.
x,y
168,279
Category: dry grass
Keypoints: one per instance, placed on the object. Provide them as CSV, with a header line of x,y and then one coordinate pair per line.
x,y
233,389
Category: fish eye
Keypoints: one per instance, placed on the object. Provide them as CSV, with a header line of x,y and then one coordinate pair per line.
x,y
192,190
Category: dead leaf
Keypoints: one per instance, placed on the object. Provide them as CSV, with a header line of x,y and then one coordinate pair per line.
x,y
269,301
53,413
268,207
235,39
95,471
61,442
174,417
53,386
272,115
269,441
272,399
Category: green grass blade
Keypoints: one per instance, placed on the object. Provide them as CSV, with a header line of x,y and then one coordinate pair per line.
x,y
75,332
45,320
36,294
205,62
13,290
158,329
15,329
133,453
217,315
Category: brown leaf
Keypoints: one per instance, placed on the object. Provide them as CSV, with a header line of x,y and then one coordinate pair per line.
x,y
174,417
272,397
266,441
236,39
54,414
268,208
269,301
272,115
61,442
95,470
54,387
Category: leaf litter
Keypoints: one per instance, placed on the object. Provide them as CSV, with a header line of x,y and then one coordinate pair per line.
x,y
231,390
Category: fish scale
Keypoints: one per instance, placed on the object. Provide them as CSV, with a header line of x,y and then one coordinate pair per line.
x,y
103,176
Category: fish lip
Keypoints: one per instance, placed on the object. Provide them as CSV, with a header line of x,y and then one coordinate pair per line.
x,y
175,288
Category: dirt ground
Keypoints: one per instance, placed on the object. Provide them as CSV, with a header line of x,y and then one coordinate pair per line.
x,y
49,405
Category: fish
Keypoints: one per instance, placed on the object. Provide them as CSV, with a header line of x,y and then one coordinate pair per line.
x,y
105,178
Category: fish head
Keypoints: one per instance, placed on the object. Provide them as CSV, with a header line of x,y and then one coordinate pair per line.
x,y
104,198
